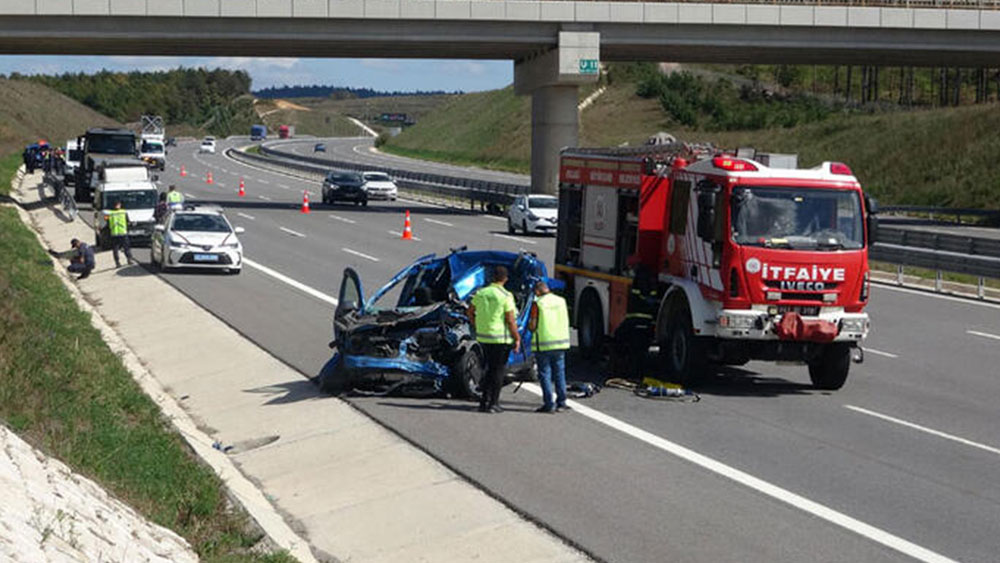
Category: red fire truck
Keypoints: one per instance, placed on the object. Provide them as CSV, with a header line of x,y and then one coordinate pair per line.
x,y
743,259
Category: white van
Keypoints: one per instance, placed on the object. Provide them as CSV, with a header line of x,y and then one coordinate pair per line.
x,y
138,198
152,151
71,160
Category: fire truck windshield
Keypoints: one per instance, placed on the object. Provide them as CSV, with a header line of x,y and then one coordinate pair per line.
x,y
798,218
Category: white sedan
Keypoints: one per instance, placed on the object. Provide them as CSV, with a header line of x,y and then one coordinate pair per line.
x,y
533,214
208,145
196,237
378,185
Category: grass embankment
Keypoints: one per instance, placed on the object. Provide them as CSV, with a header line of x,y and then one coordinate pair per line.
x,y
65,392
927,157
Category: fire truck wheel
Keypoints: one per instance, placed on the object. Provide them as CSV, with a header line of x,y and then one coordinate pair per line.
x,y
682,352
467,372
590,325
829,371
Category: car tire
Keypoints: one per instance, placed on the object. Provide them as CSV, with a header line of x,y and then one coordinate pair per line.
x,y
153,262
364,203
510,227
235,271
829,371
524,226
590,325
681,351
467,372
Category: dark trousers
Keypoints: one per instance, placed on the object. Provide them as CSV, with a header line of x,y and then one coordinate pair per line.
x,y
121,241
79,268
496,364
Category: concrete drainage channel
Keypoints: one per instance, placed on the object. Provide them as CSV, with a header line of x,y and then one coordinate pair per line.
x,y
271,455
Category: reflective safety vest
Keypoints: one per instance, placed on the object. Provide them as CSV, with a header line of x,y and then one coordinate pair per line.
x,y
175,197
552,331
492,303
117,222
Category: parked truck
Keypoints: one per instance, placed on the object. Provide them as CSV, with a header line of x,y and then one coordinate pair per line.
x,y
286,131
258,132
100,144
715,258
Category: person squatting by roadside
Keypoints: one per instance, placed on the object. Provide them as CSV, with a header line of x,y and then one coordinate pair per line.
x,y
549,324
492,315
118,228
81,258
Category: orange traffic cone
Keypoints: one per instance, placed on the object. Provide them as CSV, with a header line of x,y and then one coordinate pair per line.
x,y
183,171
242,191
407,230
305,202
208,179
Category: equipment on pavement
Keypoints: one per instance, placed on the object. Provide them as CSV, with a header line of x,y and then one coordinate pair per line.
x,y
731,248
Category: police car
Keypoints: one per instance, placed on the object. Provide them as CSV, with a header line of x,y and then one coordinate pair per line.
x,y
197,236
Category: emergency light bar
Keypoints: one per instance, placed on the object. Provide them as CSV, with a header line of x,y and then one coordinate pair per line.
x,y
840,168
733,164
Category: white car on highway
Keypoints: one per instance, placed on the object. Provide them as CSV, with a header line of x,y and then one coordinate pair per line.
x,y
533,214
197,236
208,145
378,185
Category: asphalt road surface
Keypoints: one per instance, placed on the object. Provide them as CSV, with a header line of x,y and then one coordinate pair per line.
x,y
901,464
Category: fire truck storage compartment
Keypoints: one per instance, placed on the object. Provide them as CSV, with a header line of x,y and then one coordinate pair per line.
x,y
606,246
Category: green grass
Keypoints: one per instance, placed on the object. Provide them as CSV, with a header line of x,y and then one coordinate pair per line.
x,y
65,392
8,167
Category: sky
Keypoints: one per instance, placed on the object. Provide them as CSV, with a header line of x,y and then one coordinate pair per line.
x,y
379,74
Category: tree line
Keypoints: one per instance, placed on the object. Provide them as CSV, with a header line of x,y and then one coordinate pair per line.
x,y
338,92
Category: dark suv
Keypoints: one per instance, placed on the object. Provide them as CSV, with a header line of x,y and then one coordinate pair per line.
x,y
344,186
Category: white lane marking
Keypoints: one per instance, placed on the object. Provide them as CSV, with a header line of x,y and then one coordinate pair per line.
x,y
291,232
778,493
931,431
263,181
494,217
224,170
361,254
244,215
284,187
436,222
893,287
343,219
517,239
264,197
190,196
297,285
234,174
399,234
880,353
983,334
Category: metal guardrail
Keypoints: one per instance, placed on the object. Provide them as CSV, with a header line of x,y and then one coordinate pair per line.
x,y
935,213
490,196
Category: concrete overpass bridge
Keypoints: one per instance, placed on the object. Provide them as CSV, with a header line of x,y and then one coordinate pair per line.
x,y
555,45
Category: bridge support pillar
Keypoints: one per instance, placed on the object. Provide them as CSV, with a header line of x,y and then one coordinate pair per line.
x,y
553,79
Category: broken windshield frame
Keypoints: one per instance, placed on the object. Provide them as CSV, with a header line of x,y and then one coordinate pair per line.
x,y
797,217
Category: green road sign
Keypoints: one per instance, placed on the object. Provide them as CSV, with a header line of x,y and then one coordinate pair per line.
x,y
589,66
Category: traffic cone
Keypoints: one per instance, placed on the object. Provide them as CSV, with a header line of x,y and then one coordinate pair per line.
x,y
183,171
407,230
305,202
242,191
208,179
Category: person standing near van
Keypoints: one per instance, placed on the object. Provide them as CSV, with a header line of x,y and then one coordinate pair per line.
x,y
549,323
492,315
118,229
175,199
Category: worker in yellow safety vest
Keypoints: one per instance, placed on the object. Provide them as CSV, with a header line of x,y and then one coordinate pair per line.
x,y
549,324
175,199
118,229
492,315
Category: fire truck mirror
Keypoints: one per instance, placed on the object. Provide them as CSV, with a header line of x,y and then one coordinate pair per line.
x,y
707,192
871,206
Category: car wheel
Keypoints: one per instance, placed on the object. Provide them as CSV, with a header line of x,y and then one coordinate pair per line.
x,y
467,372
235,271
681,351
590,325
510,226
153,262
829,371
364,203
524,226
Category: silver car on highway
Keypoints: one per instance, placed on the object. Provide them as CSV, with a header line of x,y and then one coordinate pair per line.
x,y
378,185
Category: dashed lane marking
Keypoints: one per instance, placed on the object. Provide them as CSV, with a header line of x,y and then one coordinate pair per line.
x,y
925,429
264,197
517,239
436,222
284,187
245,216
190,196
881,353
360,254
263,181
343,219
778,493
296,284
983,334
291,232
399,234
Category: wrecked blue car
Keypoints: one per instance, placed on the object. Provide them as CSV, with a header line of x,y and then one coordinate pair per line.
x,y
413,336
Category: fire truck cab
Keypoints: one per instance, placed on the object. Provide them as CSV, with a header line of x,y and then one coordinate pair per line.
x,y
747,261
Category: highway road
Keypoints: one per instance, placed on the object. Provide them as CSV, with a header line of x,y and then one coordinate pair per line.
x,y
902,464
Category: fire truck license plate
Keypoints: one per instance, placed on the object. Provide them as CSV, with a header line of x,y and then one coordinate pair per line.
x,y
804,310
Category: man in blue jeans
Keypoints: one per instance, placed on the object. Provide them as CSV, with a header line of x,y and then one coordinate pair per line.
x,y
549,325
